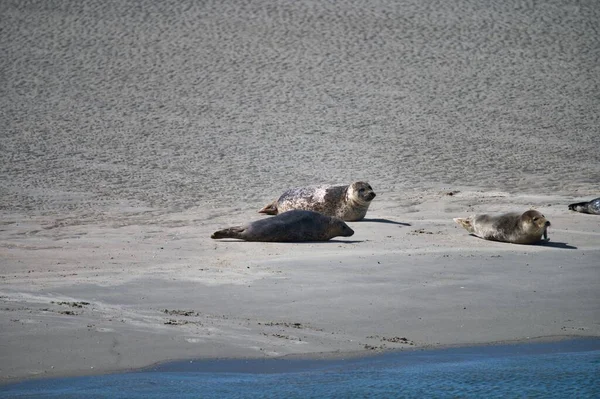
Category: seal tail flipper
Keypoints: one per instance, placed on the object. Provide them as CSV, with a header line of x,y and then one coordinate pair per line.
x,y
270,209
232,232
464,222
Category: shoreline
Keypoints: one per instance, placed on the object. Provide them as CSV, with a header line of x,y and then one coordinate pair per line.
x,y
306,362
291,363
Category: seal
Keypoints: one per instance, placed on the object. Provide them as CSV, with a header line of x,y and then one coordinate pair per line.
x,y
592,207
292,226
525,228
349,203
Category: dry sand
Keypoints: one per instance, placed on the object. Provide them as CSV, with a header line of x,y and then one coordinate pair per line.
x,y
133,130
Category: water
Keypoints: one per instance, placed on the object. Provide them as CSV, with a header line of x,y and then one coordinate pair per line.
x,y
567,369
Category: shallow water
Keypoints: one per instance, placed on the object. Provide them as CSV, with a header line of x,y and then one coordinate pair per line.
x,y
549,370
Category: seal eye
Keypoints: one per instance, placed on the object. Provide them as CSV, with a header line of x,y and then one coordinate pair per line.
x,y
362,190
535,219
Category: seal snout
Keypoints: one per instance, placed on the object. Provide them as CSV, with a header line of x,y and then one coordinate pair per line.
x,y
371,195
347,231
547,223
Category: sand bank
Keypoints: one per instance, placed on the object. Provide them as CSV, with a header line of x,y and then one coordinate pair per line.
x,y
85,299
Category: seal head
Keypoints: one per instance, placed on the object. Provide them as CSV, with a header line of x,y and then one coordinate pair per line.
x,y
360,194
534,226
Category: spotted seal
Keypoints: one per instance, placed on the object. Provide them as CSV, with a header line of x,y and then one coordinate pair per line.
x,y
592,207
516,228
292,226
349,203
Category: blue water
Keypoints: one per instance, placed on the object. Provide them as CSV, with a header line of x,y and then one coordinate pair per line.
x,y
569,369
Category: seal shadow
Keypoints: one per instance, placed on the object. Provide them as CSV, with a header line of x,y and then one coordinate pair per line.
x,y
295,242
554,244
551,244
333,240
385,221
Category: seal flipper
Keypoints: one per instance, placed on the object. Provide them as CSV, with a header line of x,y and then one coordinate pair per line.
x,y
232,232
270,209
466,223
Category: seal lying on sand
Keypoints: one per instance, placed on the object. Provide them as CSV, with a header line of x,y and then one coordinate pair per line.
x,y
348,203
592,207
526,228
292,226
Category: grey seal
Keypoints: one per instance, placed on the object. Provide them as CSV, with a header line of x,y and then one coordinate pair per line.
x,y
516,228
349,203
592,207
292,226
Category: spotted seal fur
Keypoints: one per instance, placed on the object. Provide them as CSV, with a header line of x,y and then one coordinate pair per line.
x,y
349,203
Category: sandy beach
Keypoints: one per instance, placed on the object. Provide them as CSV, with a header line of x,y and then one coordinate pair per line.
x,y
134,130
